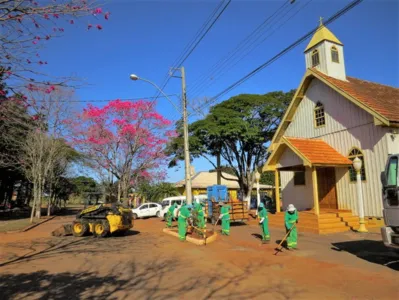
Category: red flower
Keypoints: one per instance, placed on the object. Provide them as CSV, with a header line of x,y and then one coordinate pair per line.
x,y
106,16
89,26
72,21
99,27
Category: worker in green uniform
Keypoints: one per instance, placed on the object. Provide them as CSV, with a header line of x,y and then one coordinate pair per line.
x,y
184,213
170,215
225,217
200,215
264,222
291,219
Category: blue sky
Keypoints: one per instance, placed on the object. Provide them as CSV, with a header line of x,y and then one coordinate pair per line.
x,y
146,37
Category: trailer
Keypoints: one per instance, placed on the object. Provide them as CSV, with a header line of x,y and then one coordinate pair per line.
x,y
219,194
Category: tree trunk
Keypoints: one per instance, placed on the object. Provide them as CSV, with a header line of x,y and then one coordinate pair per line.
x,y
247,198
119,190
34,202
49,202
39,202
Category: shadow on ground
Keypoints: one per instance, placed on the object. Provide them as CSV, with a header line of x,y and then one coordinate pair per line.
x,y
155,279
257,236
89,245
371,251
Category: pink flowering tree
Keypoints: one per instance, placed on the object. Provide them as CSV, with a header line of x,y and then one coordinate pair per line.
x,y
26,26
124,139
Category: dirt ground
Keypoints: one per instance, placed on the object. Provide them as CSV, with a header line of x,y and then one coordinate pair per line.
x,y
148,264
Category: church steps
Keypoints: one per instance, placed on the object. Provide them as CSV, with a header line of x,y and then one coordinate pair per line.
x,y
325,223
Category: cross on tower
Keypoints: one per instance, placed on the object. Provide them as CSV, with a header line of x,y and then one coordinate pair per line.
x,y
321,21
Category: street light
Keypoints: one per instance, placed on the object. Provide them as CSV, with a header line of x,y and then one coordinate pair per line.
x,y
357,165
187,166
257,178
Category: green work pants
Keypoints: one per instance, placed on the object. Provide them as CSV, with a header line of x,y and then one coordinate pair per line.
x,y
182,228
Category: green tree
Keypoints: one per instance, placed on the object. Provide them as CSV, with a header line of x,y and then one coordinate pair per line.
x,y
156,192
224,169
163,190
83,185
240,129
267,178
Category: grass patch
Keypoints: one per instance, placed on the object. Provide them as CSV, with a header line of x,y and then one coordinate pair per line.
x,y
12,225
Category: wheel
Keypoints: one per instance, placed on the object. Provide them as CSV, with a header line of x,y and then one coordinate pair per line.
x,y
79,228
135,216
158,214
101,228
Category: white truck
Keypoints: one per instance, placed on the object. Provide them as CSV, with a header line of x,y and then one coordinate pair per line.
x,y
179,200
390,198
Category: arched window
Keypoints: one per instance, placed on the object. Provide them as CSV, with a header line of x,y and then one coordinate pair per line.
x,y
334,54
355,152
319,118
315,58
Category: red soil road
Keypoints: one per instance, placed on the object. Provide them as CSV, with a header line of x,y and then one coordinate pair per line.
x,y
148,264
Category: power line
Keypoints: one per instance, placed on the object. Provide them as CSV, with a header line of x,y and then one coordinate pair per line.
x,y
242,54
189,44
280,54
189,51
216,67
107,100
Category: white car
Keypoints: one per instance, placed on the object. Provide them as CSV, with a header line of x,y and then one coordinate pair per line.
x,y
146,210
179,200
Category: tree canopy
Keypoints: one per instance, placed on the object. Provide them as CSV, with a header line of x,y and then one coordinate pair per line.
x,y
239,129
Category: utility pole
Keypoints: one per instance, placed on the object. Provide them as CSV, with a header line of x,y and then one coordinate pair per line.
x,y
185,124
185,134
219,172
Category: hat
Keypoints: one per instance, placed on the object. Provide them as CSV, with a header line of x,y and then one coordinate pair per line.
x,y
291,208
261,205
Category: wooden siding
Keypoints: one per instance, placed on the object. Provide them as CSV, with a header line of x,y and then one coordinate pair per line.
x,y
289,159
346,126
334,69
393,142
322,66
299,195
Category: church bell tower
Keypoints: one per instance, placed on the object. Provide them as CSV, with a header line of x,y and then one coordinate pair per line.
x,y
326,53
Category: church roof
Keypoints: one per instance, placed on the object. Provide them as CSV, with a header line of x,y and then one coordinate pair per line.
x,y
381,98
313,152
381,101
322,34
318,152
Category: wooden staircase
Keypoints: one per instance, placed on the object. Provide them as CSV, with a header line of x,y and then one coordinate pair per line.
x,y
326,222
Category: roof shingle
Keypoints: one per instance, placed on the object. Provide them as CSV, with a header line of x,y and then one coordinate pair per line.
x,y
382,99
318,151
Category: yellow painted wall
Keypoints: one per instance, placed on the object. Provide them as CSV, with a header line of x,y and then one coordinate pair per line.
x,y
232,192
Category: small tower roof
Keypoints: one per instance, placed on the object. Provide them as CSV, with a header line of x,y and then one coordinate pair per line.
x,y
322,34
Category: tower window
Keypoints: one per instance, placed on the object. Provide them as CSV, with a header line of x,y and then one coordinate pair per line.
x,y
315,58
355,152
334,54
319,117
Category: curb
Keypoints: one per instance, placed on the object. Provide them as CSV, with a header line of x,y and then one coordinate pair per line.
x,y
30,226
192,240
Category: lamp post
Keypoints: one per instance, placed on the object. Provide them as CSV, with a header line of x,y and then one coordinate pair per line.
x,y
357,165
257,178
187,164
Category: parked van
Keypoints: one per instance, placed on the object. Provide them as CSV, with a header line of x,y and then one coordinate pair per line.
x,y
179,200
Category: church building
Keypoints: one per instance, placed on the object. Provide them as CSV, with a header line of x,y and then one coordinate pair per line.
x,y
332,119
